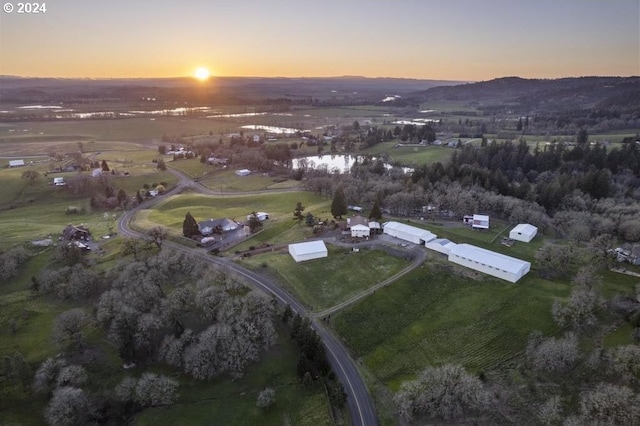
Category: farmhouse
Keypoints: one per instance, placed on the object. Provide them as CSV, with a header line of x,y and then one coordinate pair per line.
x,y
16,163
441,245
243,172
207,227
74,233
260,215
408,233
498,265
480,221
357,220
523,232
302,252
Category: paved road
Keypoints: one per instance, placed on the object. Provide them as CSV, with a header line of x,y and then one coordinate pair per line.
x,y
359,401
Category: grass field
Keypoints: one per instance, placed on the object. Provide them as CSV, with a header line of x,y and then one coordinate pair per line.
x,y
433,317
411,156
323,283
171,212
29,212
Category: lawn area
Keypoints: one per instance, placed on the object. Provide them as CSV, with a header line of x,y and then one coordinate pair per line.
x,y
323,283
433,317
411,155
171,212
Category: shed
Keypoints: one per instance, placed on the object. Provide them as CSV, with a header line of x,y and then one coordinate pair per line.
x,y
96,172
375,226
480,221
243,172
260,215
408,233
489,262
441,245
16,163
302,252
523,232
360,231
59,181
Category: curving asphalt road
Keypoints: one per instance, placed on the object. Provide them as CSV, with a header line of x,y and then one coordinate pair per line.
x,y
359,401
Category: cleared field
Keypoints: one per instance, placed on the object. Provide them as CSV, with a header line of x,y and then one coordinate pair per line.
x,y
113,130
323,283
410,155
172,211
432,317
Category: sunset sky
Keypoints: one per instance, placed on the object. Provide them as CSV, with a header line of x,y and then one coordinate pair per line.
x,y
432,39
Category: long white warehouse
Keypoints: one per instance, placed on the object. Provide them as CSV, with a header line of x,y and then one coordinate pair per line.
x,y
408,233
489,262
308,251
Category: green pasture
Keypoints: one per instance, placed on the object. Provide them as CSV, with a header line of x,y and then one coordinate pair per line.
x,y
228,181
227,402
433,317
139,129
323,283
171,212
410,155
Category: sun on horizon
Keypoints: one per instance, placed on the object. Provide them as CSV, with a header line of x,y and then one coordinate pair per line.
x,y
202,73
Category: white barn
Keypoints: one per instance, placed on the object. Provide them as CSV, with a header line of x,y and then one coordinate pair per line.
x,y
441,245
489,262
360,231
523,232
408,233
307,251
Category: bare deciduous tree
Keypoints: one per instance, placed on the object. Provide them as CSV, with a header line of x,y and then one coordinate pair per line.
x,y
266,398
553,355
447,392
68,406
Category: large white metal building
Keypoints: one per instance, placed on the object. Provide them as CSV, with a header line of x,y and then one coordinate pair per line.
x,y
408,233
523,232
307,251
489,262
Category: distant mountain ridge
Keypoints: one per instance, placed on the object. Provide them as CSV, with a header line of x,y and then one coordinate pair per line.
x,y
336,90
555,94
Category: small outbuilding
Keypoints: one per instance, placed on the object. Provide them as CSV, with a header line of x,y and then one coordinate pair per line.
x,y
480,221
16,163
360,231
243,172
302,252
523,232
59,181
260,215
408,233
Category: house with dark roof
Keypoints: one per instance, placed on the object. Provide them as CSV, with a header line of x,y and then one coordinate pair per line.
x,y
76,233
